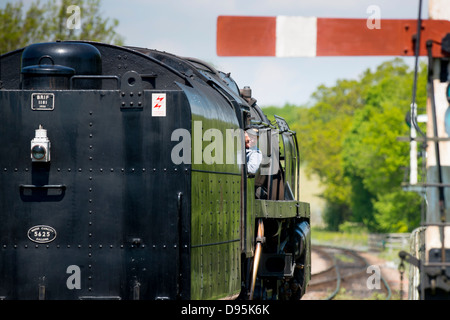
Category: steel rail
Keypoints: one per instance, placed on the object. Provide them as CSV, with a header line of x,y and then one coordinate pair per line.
x,y
339,277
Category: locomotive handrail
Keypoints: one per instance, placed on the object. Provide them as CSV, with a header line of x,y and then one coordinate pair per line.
x,y
146,53
203,63
93,77
45,186
265,124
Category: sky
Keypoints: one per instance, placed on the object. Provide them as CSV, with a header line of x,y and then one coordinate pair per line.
x,y
188,28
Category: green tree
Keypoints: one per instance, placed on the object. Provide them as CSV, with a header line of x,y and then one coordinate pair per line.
x,y
348,138
323,130
397,211
48,21
320,130
373,158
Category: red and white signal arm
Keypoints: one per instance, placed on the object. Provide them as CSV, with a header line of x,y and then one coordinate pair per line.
x,y
292,36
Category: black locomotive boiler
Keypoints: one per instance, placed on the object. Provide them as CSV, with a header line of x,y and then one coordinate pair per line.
x,y
123,176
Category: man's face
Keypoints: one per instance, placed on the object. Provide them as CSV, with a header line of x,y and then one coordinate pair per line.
x,y
250,141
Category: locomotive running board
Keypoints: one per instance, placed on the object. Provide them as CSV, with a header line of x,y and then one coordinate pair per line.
x,y
281,209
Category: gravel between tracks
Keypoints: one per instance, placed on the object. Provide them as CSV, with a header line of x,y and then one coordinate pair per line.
x,y
389,271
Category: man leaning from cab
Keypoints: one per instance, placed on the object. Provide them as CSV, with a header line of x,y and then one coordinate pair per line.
x,y
253,154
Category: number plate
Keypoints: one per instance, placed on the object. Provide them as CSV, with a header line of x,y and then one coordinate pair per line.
x,y
42,101
42,234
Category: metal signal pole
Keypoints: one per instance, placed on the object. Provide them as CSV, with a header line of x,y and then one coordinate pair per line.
x,y
438,152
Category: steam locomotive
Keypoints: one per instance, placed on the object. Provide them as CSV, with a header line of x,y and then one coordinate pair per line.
x,y
123,176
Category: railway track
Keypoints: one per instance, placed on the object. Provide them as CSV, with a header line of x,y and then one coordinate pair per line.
x,y
347,273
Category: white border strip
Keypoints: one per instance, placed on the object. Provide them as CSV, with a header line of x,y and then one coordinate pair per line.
x,y
296,36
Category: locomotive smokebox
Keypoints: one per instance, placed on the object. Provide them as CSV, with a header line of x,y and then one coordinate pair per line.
x,y
52,65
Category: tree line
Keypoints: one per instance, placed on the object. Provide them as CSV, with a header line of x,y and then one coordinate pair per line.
x,y
52,20
348,138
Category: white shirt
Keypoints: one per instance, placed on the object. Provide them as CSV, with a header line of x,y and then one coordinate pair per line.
x,y
254,158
